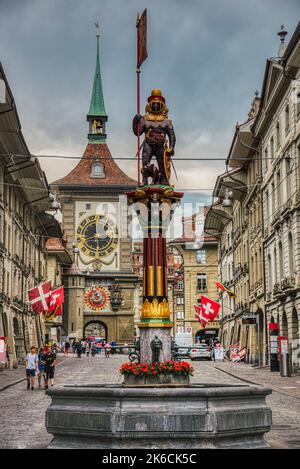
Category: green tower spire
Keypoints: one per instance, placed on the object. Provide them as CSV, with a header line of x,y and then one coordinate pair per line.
x,y
97,115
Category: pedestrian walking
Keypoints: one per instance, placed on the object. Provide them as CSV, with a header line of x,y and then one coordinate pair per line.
x,y
93,349
66,348
74,345
107,349
54,349
41,368
78,349
49,361
87,349
31,367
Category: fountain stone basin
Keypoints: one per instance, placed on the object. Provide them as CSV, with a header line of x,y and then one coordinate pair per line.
x,y
158,416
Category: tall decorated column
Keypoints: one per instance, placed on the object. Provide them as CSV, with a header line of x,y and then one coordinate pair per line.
x,y
154,204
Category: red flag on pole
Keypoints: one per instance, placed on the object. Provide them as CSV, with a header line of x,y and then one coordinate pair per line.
x,y
207,311
39,296
142,38
56,301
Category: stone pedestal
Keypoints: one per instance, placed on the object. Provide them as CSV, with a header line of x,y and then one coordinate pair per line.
x,y
195,416
146,337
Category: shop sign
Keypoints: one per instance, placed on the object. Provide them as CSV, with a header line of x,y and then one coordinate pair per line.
x,y
283,344
249,318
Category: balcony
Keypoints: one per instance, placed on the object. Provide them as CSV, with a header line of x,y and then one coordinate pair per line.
x,y
276,218
277,290
287,207
266,232
236,236
18,302
288,283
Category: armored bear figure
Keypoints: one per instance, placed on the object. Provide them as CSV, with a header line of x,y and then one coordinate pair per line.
x,y
159,139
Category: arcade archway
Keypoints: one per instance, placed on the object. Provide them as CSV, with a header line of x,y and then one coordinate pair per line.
x,y
206,335
95,329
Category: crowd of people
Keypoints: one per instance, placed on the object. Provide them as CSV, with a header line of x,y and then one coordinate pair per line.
x,y
89,347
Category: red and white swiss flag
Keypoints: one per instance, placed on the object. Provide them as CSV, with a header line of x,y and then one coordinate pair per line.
x,y
56,300
39,296
207,311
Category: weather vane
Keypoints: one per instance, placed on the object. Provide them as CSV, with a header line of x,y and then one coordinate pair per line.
x,y
98,28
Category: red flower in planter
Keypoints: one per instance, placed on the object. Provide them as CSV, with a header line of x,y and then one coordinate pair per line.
x,y
145,369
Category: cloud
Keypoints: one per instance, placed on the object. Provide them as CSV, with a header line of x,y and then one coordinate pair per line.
x,y
207,56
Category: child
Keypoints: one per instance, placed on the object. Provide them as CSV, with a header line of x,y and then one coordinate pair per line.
x,y
31,367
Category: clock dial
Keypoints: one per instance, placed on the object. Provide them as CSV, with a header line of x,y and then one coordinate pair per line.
x,y
97,236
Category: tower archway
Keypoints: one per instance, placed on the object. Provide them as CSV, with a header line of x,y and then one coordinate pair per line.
x,y
95,328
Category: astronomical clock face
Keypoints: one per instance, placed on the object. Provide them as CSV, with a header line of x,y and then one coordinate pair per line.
x,y
96,298
97,236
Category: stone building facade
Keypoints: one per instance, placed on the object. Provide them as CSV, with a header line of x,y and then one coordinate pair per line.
x,y
25,227
257,209
199,272
100,285
277,128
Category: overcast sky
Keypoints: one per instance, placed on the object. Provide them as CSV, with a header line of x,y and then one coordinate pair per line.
x,y
207,56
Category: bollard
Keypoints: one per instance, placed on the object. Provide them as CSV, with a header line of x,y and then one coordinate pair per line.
x,y
285,369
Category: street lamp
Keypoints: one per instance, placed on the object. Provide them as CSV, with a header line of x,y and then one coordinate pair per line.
x,y
227,201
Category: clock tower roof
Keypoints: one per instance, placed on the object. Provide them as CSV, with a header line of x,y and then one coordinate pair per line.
x,y
96,168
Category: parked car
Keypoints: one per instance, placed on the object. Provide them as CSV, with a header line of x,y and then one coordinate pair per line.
x,y
200,351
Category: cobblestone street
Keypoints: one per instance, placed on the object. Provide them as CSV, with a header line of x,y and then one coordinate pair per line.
x,y
23,412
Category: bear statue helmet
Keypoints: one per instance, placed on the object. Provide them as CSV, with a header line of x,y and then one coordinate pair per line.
x,y
156,108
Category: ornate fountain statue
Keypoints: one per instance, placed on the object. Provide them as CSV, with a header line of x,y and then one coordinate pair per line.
x,y
159,139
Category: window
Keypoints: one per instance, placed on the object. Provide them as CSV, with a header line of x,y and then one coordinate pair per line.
x,y
266,157
288,177
291,255
97,171
201,282
287,118
272,147
180,315
278,190
280,256
277,135
88,206
201,258
180,285
298,104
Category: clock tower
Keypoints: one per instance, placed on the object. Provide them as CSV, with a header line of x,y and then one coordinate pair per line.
x,y
100,285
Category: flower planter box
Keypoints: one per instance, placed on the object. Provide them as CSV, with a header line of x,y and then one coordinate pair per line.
x,y
153,380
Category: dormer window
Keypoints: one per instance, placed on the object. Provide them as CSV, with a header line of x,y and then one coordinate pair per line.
x,y
97,171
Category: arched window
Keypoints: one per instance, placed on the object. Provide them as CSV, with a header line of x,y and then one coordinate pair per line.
x,y
97,171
